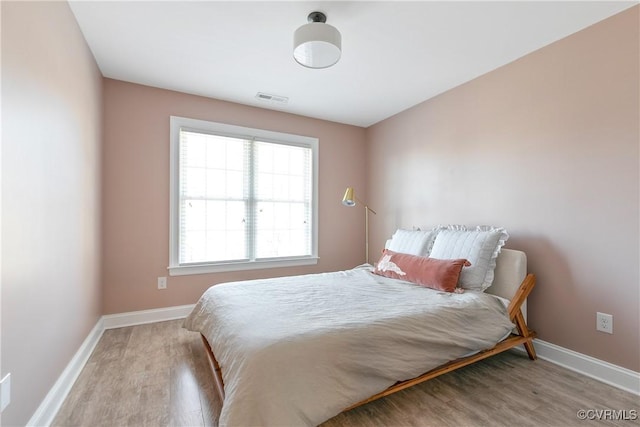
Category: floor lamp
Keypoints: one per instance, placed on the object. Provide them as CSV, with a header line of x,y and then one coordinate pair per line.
x,y
350,199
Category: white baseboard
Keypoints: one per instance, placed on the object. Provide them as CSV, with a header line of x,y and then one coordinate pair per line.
x,y
608,373
133,318
605,372
52,402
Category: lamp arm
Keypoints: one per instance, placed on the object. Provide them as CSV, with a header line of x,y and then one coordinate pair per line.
x,y
364,204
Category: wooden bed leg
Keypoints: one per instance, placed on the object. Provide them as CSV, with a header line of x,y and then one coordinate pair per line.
x,y
515,313
531,351
524,331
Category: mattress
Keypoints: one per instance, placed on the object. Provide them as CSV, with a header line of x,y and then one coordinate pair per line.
x,y
298,350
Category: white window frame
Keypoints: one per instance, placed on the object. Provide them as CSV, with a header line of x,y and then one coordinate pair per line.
x,y
175,268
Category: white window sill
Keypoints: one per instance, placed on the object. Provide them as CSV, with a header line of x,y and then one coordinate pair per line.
x,y
184,270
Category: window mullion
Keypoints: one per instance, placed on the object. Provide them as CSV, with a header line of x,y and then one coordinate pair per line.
x,y
251,206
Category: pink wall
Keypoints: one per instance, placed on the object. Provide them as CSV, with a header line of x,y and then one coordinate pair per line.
x,y
51,134
546,146
136,192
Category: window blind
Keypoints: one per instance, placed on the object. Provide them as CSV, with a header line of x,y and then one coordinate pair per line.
x,y
242,199
282,195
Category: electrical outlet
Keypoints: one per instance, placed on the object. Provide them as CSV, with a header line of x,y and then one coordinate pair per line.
x,y
5,392
162,283
604,322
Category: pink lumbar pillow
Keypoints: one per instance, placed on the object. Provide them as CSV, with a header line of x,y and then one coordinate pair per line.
x,y
439,274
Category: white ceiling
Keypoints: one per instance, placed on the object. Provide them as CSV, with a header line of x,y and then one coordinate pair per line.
x,y
394,54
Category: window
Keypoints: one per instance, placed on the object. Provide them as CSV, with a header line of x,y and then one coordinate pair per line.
x,y
240,198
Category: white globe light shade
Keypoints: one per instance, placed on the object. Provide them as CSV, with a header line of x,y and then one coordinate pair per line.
x,y
317,45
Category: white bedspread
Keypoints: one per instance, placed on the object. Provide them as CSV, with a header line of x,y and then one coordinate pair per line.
x,y
298,350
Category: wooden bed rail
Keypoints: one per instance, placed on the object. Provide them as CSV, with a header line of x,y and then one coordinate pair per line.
x,y
510,342
215,368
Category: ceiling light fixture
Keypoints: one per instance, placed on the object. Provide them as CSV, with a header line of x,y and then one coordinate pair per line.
x,y
317,44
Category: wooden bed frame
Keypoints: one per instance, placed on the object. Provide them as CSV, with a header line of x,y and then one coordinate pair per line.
x,y
524,336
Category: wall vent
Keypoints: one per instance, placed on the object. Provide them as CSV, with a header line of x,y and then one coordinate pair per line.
x,y
272,98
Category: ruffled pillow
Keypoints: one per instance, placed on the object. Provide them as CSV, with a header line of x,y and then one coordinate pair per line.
x,y
480,246
412,242
439,274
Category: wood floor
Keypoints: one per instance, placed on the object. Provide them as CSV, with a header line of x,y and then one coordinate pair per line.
x,y
157,375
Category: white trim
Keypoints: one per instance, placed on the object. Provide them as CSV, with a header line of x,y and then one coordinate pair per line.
x,y
175,125
5,392
183,270
52,402
608,373
133,318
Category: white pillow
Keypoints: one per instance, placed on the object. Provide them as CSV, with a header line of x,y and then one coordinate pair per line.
x,y
480,247
412,242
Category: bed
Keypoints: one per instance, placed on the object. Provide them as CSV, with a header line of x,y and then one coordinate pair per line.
x,y
343,339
